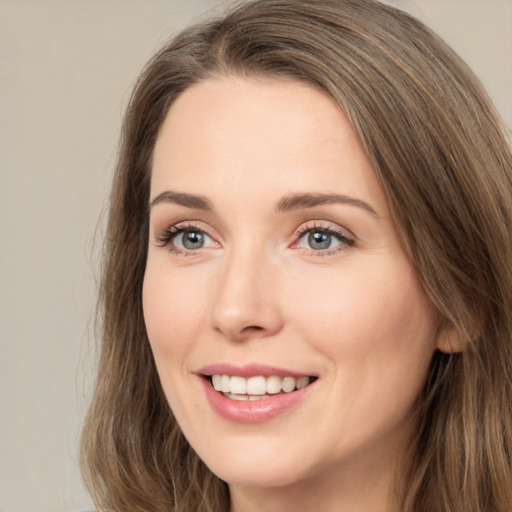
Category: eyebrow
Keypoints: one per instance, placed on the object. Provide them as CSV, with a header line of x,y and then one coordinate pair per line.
x,y
182,199
285,204
300,201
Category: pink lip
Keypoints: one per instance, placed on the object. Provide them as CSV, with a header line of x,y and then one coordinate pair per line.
x,y
254,411
249,370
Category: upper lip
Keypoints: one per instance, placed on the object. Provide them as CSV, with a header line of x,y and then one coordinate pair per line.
x,y
249,370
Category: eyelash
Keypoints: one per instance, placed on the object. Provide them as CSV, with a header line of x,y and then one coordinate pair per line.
x,y
346,242
168,235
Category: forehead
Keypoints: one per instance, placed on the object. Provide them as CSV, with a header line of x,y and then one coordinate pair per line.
x,y
259,132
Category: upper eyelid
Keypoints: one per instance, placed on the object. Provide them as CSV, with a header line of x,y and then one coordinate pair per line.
x,y
325,226
180,226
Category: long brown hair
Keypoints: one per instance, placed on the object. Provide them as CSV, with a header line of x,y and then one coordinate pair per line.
x,y
444,161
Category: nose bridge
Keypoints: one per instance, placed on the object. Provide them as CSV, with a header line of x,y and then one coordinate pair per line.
x,y
246,303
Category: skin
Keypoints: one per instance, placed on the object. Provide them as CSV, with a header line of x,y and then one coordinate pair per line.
x,y
257,291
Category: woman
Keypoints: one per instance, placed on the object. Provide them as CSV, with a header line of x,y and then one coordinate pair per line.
x,y
307,292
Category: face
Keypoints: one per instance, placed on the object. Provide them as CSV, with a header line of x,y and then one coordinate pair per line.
x,y
289,330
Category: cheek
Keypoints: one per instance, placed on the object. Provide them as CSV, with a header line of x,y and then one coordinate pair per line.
x,y
173,306
172,313
372,323
377,332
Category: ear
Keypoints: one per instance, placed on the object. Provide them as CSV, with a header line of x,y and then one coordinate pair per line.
x,y
450,340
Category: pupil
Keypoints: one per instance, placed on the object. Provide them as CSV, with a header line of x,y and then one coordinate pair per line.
x,y
319,240
193,240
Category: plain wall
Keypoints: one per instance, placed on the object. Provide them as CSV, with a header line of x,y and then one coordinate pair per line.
x,y
66,68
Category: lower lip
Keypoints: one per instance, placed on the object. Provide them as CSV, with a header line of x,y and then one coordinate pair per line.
x,y
253,411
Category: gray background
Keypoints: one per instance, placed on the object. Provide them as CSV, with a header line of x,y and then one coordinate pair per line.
x,y
66,68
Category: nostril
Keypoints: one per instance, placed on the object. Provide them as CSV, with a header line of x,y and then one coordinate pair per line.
x,y
252,328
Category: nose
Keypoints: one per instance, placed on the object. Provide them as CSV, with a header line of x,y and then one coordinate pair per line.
x,y
247,301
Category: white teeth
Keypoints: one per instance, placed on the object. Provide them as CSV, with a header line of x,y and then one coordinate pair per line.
x,y
237,397
216,381
238,385
288,384
302,382
274,385
254,388
225,384
245,397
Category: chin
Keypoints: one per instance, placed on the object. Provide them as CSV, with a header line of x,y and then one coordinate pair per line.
x,y
255,462
250,474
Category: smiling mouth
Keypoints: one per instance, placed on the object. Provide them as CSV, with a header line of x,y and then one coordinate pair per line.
x,y
258,387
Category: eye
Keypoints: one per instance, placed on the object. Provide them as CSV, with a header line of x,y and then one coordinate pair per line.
x,y
319,241
191,239
185,239
323,240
